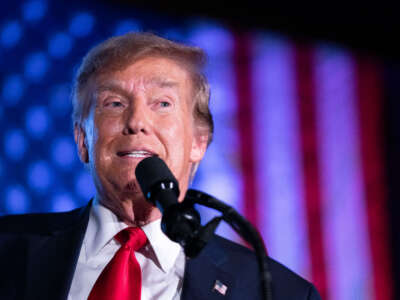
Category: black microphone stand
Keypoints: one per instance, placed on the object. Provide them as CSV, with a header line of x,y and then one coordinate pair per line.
x,y
181,222
243,227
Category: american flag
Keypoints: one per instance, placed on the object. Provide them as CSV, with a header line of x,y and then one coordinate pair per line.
x,y
220,287
298,151
298,141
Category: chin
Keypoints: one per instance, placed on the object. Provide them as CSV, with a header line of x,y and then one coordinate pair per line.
x,y
132,187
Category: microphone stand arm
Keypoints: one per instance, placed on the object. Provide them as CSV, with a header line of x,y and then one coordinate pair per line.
x,y
243,227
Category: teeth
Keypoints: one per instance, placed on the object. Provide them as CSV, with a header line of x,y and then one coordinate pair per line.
x,y
138,154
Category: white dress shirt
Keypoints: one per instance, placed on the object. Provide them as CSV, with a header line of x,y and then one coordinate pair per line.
x,y
161,260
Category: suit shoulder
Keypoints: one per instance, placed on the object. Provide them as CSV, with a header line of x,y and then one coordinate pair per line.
x,y
40,222
285,283
280,273
232,249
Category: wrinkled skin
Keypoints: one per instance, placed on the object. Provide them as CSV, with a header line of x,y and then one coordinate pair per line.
x,y
146,107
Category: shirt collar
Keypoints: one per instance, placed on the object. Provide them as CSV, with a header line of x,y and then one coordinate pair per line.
x,y
165,250
104,225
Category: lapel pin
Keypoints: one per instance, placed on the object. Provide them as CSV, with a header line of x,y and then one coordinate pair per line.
x,y
220,287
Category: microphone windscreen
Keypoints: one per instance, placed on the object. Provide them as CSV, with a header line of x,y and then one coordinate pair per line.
x,y
151,171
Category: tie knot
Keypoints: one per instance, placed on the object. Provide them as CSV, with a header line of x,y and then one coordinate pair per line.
x,y
132,237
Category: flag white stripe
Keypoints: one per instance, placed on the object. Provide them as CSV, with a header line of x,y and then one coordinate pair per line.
x,y
278,156
344,217
221,175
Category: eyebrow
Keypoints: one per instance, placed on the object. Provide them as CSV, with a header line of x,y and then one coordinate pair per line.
x,y
117,88
163,83
112,87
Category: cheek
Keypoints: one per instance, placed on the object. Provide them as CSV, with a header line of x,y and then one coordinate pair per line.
x,y
104,131
108,125
173,132
178,137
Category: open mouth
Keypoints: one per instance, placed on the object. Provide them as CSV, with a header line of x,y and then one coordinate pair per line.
x,y
135,154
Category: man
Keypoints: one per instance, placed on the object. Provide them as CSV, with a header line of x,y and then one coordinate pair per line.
x,y
135,96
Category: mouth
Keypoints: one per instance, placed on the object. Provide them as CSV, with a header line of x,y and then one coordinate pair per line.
x,y
136,153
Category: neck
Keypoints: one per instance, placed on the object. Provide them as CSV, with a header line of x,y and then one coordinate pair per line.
x,y
133,209
132,213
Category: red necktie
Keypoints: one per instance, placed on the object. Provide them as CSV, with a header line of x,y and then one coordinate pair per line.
x,y
121,279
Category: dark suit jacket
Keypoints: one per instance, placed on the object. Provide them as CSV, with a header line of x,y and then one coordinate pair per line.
x,y
39,252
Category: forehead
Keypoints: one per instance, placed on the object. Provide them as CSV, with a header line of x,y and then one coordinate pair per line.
x,y
149,71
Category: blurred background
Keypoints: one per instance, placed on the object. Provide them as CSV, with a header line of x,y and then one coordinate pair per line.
x,y
306,106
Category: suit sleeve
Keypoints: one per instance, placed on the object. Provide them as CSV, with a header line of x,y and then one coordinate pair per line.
x,y
313,295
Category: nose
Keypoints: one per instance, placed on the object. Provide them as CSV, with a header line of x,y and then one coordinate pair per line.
x,y
137,119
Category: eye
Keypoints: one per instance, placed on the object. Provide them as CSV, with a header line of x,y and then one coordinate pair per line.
x,y
116,104
113,103
165,104
162,104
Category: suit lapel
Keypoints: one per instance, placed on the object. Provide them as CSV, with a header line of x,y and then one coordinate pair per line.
x,y
52,258
204,273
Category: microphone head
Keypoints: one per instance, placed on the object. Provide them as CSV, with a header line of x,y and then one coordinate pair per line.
x,y
152,171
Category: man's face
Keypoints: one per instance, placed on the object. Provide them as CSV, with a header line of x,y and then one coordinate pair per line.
x,y
143,110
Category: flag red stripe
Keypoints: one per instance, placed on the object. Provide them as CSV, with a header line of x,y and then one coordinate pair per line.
x,y
242,65
370,97
308,138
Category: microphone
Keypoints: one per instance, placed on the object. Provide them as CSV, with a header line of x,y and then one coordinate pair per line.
x,y
158,184
180,221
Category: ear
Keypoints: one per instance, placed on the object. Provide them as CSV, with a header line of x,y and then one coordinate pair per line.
x,y
199,147
81,143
